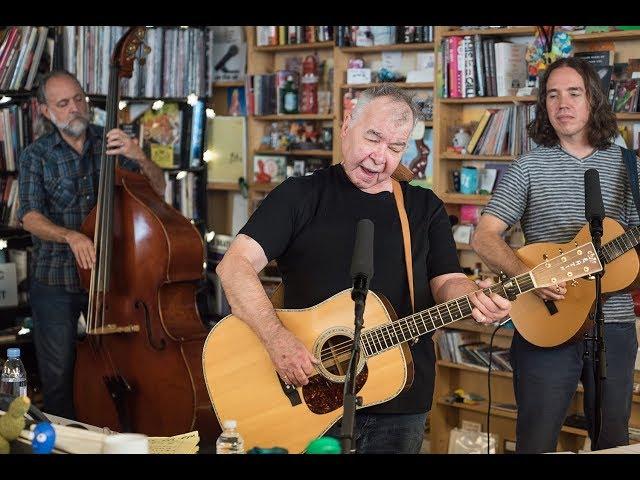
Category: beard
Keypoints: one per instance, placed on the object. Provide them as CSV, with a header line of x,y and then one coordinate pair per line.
x,y
74,127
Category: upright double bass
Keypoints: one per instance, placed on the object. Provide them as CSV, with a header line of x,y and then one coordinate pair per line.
x,y
139,368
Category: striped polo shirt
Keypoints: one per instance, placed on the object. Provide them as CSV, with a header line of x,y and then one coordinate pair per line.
x,y
544,189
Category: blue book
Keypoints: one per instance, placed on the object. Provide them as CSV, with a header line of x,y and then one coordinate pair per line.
x,y
197,125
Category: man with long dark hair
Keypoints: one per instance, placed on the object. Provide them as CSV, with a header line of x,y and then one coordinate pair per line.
x,y
544,190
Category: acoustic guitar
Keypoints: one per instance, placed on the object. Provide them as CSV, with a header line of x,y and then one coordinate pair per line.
x,y
243,384
552,323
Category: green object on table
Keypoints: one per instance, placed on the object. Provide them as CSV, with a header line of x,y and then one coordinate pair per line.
x,y
628,27
325,445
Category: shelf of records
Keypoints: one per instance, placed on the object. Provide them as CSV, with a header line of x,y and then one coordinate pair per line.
x,y
184,191
24,52
175,65
19,126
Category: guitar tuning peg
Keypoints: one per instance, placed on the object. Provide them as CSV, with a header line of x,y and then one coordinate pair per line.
x,y
560,251
575,243
545,256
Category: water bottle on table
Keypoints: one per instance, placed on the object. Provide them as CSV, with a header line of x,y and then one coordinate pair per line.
x,y
14,376
230,440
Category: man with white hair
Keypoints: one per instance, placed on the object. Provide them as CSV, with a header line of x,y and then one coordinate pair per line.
x,y
308,224
59,175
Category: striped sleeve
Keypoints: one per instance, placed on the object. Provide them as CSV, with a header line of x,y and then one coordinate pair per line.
x,y
509,201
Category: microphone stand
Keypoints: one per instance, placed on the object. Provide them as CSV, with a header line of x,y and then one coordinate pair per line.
x,y
599,349
359,295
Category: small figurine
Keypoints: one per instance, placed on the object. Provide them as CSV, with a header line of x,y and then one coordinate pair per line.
x,y
12,422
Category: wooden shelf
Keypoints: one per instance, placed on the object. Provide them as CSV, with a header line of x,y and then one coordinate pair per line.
x,y
229,186
406,85
463,246
295,46
462,199
481,407
402,47
469,368
307,153
263,187
506,99
492,158
632,116
228,83
470,325
511,31
294,116
602,36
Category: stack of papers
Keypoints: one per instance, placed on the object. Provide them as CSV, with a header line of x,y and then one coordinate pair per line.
x,y
185,443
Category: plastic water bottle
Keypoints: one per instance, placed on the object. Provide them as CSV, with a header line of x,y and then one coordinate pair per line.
x,y
14,376
230,440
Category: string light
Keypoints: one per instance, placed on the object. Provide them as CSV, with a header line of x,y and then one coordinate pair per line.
x,y
209,236
157,105
5,99
122,104
208,155
181,175
192,99
210,113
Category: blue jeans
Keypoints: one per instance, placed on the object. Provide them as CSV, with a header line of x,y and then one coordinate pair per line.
x,y
55,325
386,433
545,380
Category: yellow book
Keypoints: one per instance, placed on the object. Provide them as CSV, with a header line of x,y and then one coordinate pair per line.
x,y
478,131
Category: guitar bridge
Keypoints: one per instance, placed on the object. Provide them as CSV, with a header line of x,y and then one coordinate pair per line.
x,y
291,392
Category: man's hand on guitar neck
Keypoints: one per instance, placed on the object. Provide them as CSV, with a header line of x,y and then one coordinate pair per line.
x,y
293,362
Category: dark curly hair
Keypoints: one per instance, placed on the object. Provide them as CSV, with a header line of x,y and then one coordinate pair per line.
x,y
602,127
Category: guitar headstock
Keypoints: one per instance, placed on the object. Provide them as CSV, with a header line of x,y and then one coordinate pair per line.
x,y
577,263
126,50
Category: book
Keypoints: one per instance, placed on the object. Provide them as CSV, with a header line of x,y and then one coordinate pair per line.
x,y
226,148
228,53
161,134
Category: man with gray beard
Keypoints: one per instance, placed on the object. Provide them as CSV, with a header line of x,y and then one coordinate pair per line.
x,y
59,176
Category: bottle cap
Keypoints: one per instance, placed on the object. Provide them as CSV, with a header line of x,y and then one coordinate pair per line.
x,y
13,353
325,445
229,424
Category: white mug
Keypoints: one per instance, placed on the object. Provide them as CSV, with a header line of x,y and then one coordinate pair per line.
x,y
126,443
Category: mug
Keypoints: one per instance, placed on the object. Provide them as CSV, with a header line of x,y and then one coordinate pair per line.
x,y
126,443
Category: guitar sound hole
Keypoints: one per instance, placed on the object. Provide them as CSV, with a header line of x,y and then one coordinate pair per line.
x,y
335,354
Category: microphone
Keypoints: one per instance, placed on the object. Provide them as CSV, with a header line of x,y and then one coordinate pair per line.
x,y
362,260
232,51
593,206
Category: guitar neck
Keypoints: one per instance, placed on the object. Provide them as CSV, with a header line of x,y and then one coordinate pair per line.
x,y
621,245
379,339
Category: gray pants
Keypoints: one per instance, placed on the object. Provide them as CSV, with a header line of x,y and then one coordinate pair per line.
x,y
545,380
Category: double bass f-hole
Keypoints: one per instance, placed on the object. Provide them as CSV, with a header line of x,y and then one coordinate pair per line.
x,y
147,320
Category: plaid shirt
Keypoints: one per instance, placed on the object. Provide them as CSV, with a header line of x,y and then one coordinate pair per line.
x,y
62,185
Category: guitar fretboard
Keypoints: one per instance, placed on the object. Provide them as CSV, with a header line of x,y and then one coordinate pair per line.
x,y
379,339
621,245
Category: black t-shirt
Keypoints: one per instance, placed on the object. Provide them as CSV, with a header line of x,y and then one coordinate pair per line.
x,y
309,223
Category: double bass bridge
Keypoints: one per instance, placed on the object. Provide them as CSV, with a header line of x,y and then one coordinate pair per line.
x,y
112,329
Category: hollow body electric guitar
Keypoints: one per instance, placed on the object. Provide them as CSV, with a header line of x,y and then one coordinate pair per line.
x,y
244,385
552,323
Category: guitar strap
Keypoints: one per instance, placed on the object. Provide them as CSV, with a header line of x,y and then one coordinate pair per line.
x,y
406,237
630,161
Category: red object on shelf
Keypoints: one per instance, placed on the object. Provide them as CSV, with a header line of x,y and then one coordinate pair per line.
x,y
309,86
